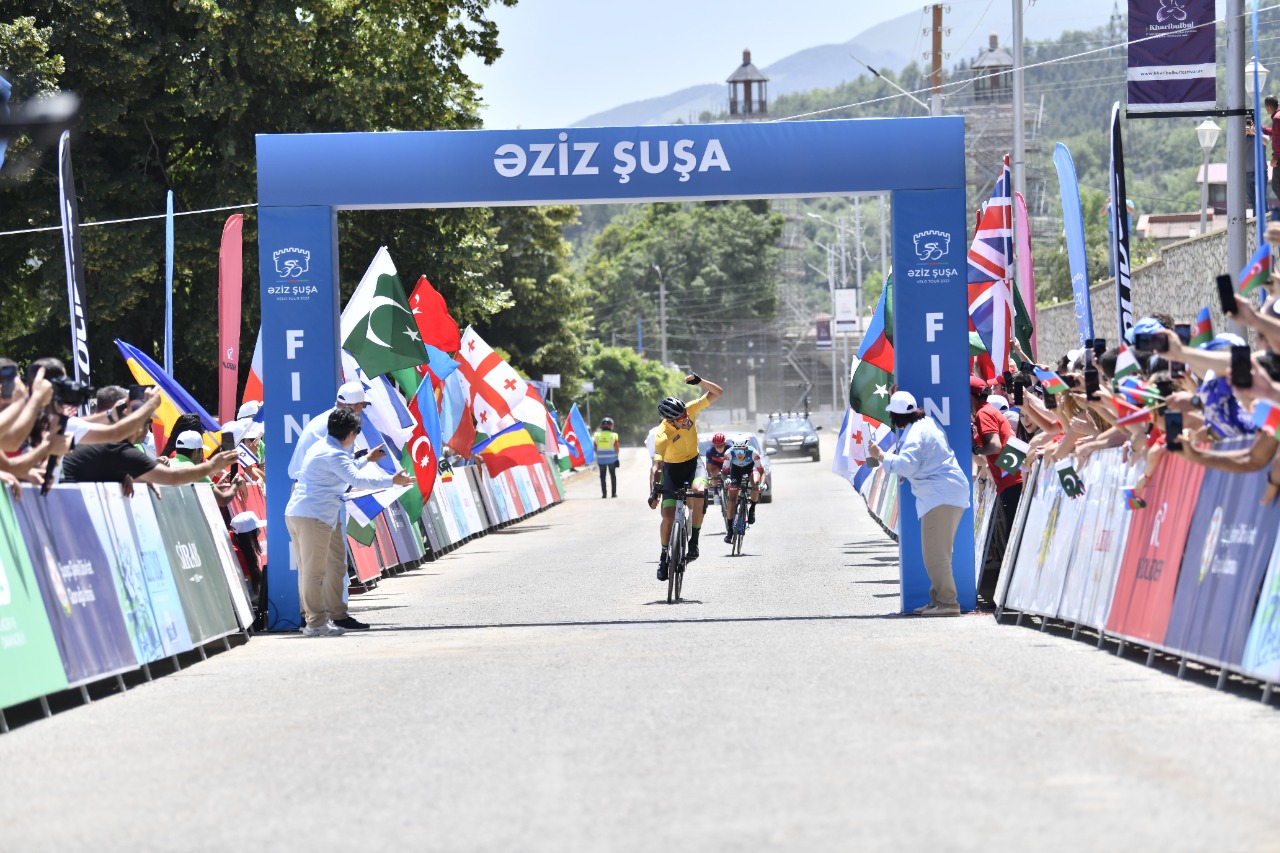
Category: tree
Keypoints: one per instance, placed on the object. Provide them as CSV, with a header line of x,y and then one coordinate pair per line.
x,y
172,96
545,327
628,388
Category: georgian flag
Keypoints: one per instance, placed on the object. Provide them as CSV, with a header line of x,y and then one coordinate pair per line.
x,y
492,380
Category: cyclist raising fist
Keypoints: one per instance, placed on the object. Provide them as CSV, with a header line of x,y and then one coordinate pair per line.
x,y
677,463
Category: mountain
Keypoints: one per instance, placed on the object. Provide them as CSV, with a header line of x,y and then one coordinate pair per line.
x,y
891,45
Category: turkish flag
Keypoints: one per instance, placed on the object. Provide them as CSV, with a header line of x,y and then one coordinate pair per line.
x,y
432,316
424,459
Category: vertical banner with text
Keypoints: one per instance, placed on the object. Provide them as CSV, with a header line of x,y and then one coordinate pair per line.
x,y
931,338
69,208
1172,56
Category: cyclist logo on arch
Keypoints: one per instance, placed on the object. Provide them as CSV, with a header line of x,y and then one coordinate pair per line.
x,y
679,472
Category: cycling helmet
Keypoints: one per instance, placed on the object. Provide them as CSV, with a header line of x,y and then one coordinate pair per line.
x,y
671,408
718,438
606,422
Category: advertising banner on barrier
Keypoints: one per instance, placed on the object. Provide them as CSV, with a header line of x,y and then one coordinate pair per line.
x,y
1037,533
385,543
1262,649
365,558
76,583
219,535
157,626
470,508
554,470
483,510
434,525
1100,538
514,498
202,585
453,530
453,497
405,535
497,488
536,481
166,603
1157,536
29,655
1228,547
984,500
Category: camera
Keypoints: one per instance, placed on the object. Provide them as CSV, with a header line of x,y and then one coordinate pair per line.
x,y
70,392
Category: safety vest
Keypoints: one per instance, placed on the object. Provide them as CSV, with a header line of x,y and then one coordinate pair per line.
x,y
606,447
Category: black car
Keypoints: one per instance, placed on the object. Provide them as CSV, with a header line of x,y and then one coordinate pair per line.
x,y
792,435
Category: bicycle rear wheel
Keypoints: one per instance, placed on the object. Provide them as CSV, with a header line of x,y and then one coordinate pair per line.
x,y
675,555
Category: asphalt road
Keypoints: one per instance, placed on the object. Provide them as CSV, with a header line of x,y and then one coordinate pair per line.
x,y
533,691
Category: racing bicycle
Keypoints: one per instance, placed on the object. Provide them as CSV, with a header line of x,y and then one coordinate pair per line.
x,y
740,507
678,547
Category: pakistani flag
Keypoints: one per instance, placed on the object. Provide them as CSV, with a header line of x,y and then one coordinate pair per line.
x,y
378,329
1012,455
1072,485
869,387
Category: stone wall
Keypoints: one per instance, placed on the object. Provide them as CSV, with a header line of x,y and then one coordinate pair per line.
x,y
1179,282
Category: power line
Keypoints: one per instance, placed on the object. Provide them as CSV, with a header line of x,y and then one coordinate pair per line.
x,y
130,219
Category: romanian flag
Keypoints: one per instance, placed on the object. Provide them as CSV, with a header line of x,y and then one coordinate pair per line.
x,y
1132,499
1257,271
1203,331
1266,417
509,448
1052,382
175,400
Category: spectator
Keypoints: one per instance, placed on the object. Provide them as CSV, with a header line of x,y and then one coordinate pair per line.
x,y
188,453
991,432
350,398
314,519
941,490
101,428
122,462
606,442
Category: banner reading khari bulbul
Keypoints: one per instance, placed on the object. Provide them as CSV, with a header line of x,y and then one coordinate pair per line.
x,y
77,585
1172,57
1149,573
29,656
1228,548
201,583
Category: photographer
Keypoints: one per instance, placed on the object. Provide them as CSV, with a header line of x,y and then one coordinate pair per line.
x,y
69,395
122,462
22,408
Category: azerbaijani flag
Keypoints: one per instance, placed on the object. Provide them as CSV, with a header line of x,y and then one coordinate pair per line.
x,y
1203,331
1132,499
1126,364
175,400
1257,271
1266,417
509,448
1052,382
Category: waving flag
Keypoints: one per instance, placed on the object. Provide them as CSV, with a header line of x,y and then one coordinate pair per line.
x,y
432,316
1129,413
582,450
1051,381
426,445
1203,331
1258,270
367,504
175,400
253,385
492,380
991,272
869,385
509,448
1126,363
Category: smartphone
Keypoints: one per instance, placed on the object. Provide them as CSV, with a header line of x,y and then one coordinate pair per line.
x,y
1173,430
1183,331
228,441
1017,394
137,392
1177,369
8,375
1150,342
361,453
1007,379
1026,367
1099,346
1241,367
1227,294
1051,401
1091,382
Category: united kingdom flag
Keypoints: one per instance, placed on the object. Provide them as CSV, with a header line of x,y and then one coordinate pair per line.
x,y
991,273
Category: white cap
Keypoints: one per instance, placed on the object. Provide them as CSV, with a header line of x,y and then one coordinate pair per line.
x,y
189,440
248,410
351,393
252,430
246,522
999,401
902,403
1073,355
236,429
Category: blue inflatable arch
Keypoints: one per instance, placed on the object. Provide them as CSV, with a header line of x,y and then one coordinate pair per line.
x,y
303,180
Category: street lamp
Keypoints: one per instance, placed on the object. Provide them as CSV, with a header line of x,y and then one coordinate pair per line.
x,y
1250,67
1208,132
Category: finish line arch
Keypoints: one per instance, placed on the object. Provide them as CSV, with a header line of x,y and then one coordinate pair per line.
x,y
304,179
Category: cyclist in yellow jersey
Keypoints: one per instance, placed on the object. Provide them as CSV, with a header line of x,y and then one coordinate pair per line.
x,y
678,464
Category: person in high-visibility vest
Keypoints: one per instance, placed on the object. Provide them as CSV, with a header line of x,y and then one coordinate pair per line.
x,y
606,441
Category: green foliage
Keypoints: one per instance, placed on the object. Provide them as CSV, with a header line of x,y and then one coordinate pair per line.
x,y
172,95
545,328
717,261
628,388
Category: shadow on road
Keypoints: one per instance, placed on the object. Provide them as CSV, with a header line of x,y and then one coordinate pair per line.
x,y
586,623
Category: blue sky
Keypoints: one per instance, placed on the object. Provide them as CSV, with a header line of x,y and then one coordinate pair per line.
x,y
632,51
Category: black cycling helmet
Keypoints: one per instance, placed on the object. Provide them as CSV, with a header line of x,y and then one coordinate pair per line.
x,y
671,408
606,421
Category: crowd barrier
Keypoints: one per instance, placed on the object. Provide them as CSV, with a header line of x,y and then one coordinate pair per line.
x,y
1194,574
94,585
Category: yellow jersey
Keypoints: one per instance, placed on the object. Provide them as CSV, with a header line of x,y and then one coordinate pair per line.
x,y
672,444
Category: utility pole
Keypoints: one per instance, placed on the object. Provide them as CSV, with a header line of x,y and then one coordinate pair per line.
x,y
831,285
1019,128
844,283
857,261
935,98
662,312
884,253
1237,227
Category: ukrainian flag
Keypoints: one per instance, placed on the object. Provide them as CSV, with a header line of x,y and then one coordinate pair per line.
x,y
509,448
175,400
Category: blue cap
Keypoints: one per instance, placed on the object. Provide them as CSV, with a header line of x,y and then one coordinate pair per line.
x,y
1145,326
1222,341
